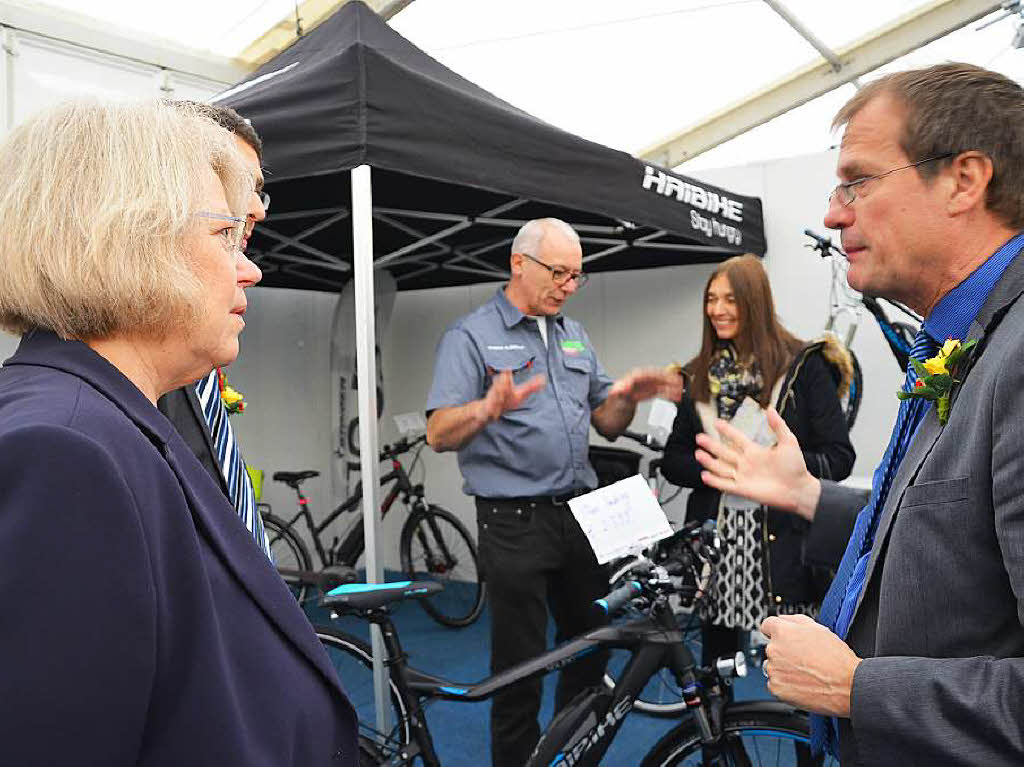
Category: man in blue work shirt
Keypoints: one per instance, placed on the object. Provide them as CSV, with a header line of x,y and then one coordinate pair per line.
x,y
516,387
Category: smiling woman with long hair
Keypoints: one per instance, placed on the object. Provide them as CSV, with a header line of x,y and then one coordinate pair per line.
x,y
746,353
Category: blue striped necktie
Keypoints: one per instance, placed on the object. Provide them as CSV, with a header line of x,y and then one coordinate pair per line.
x,y
229,459
838,605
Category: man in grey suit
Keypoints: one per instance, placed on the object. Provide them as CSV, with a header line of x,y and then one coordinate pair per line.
x,y
929,593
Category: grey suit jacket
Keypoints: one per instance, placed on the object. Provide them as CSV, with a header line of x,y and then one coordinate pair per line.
x,y
940,622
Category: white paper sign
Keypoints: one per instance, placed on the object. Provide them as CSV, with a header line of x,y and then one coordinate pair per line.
x,y
410,423
621,518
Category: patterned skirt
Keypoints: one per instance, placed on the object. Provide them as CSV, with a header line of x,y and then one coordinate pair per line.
x,y
740,592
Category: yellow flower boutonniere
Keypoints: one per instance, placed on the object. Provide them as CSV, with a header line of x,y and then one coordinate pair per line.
x,y
936,376
233,400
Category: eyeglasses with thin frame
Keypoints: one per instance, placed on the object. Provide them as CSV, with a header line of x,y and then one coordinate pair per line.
x,y
846,192
561,276
231,236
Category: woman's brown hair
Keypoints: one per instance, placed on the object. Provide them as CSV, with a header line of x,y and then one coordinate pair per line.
x,y
761,335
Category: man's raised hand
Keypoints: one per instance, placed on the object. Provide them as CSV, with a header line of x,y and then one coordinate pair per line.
x,y
505,394
645,383
776,476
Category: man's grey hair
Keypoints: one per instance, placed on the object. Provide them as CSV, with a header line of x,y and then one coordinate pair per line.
x,y
532,233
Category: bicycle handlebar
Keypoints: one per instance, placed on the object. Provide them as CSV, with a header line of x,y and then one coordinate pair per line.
x,y
823,245
679,574
619,597
647,440
402,446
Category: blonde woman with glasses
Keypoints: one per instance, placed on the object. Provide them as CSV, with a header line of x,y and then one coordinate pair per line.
x,y
177,643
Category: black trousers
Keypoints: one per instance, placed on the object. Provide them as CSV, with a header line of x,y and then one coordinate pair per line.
x,y
535,558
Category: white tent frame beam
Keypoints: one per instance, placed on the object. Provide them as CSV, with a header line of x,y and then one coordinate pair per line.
x,y
311,12
905,34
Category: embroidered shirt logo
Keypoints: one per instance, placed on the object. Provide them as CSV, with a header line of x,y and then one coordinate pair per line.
x,y
506,348
573,348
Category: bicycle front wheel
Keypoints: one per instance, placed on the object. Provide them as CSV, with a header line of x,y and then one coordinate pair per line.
x,y
289,553
766,733
352,659
436,546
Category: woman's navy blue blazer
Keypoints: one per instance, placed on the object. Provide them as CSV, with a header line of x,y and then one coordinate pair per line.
x,y
139,622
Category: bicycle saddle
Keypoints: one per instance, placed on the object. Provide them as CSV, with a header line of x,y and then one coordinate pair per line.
x,y
369,596
294,477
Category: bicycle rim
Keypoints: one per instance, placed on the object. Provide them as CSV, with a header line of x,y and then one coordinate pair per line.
x,y
437,547
756,739
288,552
353,662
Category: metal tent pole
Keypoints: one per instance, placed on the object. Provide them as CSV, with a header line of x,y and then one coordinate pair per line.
x,y
362,246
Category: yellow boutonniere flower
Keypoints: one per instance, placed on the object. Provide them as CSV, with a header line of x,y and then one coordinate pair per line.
x,y
233,401
936,365
949,347
935,377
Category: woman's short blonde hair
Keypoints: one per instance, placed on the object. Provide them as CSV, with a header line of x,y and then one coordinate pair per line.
x,y
97,208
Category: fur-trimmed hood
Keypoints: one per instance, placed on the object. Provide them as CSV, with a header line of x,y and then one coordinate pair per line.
x,y
839,359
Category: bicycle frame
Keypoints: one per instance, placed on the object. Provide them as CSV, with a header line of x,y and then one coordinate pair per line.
x,y
655,642
352,546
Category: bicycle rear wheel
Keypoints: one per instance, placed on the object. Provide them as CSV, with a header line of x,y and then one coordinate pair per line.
x,y
436,546
765,733
289,553
352,659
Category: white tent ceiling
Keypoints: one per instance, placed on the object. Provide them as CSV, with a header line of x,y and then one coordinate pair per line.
x,y
624,75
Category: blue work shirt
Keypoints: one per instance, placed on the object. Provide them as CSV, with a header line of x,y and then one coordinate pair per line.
x,y
541,447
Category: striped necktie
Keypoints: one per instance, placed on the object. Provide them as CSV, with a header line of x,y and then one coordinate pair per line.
x,y
229,459
838,605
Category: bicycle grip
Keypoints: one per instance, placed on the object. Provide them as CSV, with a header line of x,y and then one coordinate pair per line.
x,y
618,598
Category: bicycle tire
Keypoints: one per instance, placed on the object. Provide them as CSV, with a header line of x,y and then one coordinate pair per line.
x,y
436,546
661,695
768,732
289,552
352,660
851,402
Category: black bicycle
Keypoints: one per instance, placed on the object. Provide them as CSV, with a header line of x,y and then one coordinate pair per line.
x,y
717,731
844,302
433,544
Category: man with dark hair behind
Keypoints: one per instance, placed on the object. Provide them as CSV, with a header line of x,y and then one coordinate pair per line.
x,y
197,411
918,658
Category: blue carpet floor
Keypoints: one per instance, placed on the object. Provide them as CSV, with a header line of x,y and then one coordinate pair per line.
x,y
460,730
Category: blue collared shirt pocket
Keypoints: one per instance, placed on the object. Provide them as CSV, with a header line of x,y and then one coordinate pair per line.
x,y
579,371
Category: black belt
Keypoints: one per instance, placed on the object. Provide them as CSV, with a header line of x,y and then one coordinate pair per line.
x,y
546,500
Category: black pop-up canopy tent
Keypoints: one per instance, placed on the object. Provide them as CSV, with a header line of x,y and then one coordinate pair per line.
x,y
456,171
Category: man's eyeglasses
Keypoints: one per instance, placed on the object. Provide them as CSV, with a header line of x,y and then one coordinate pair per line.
x,y
846,192
561,276
231,236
